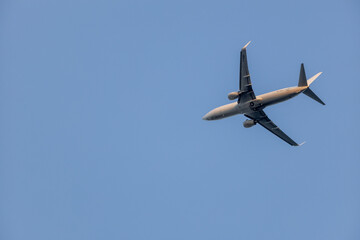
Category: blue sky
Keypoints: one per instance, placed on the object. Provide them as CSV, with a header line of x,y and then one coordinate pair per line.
x,y
101,130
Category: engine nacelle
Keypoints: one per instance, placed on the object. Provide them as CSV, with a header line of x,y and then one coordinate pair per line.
x,y
233,95
249,123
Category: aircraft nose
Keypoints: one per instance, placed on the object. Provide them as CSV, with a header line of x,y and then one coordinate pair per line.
x,y
206,117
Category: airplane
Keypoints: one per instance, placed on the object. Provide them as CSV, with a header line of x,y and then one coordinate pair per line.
x,y
252,106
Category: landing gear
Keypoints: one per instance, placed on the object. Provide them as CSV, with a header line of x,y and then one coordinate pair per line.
x,y
255,107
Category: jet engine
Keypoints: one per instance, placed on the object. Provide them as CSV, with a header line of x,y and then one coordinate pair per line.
x,y
233,95
249,123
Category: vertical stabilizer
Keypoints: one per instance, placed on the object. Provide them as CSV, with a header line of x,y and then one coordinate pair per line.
x,y
302,77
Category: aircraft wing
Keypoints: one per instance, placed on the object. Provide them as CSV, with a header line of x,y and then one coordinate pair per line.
x,y
245,87
261,118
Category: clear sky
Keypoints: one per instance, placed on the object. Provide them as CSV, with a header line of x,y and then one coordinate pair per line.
x,y
101,135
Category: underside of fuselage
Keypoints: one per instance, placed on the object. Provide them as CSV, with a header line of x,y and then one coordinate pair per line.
x,y
257,104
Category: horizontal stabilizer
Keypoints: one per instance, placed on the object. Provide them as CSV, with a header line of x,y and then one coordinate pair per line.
x,y
311,94
310,81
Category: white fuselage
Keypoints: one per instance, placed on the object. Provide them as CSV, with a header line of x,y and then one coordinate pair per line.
x,y
260,102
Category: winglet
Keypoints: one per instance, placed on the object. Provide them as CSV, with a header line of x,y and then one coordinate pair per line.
x,y
246,45
301,144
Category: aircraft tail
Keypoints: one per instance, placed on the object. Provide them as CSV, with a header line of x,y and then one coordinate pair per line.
x,y
302,77
303,82
311,94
